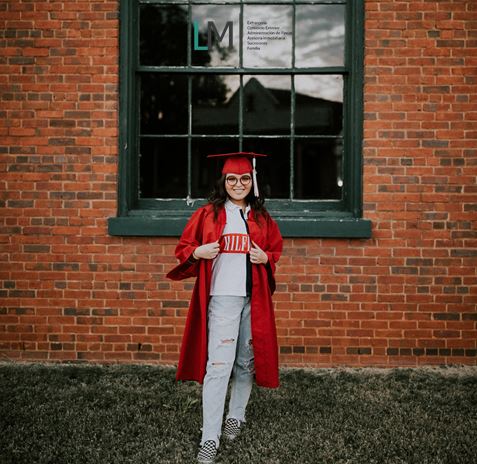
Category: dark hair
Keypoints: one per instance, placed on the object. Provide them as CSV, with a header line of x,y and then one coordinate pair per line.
x,y
219,196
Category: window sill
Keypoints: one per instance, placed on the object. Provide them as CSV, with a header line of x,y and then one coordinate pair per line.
x,y
172,225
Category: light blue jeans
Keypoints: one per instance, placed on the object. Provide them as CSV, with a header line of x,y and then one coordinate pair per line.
x,y
229,349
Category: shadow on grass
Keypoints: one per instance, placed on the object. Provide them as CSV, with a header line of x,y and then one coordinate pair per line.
x,y
97,414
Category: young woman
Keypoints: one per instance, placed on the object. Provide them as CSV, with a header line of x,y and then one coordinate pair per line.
x,y
231,245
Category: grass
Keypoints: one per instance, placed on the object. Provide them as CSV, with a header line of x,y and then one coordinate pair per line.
x,y
69,414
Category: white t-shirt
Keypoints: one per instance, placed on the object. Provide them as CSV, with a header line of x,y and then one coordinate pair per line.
x,y
229,268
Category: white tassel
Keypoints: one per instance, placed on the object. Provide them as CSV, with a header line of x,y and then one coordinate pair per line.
x,y
254,175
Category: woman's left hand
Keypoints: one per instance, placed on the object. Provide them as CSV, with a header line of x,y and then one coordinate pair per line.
x,y
257,255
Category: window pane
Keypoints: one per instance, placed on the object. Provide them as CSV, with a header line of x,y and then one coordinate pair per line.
x,y
163,104
274,171
320,35
318,104
163,35
318,168
220,21
267,38
205,172
215,108
266,105
163,168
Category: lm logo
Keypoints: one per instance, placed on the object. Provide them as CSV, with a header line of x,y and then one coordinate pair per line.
x,y
212,30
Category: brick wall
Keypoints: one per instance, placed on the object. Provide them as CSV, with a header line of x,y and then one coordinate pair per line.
x,y
71,292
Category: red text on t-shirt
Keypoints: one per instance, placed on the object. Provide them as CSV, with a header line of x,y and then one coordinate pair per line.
x,y
234,243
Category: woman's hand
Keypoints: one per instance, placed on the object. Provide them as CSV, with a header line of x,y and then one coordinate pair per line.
x,y
207,251
257,255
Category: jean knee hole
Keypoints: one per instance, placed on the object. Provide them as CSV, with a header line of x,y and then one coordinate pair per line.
x,y
218,369
247,365
249,346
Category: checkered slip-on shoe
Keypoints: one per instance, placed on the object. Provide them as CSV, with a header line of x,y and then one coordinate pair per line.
x,y
232,428
207,452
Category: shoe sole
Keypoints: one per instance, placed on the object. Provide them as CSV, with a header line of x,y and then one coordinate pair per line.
x,y
206,461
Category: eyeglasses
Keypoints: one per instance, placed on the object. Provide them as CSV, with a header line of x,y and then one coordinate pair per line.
x,y
244,180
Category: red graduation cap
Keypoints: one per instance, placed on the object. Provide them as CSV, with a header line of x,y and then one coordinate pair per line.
x,y
239,163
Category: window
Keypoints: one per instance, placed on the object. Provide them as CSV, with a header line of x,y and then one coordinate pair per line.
x,y
280,77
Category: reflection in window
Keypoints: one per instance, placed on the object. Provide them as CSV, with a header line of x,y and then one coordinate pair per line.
x,y
294,115
320,34
267,105
274,171
163,103
318,104
318,168
266,111
213,111
163,35
163,168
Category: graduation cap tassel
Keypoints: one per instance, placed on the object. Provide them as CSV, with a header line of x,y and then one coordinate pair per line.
x,y
254,174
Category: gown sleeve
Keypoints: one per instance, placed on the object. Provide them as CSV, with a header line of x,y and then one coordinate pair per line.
x,y
190,239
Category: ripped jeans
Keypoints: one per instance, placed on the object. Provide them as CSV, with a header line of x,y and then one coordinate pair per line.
x,y
229,349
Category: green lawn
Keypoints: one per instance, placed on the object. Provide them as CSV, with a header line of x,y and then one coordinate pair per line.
x,y
70,414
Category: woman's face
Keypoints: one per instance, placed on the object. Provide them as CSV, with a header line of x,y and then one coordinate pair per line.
x,y
238,186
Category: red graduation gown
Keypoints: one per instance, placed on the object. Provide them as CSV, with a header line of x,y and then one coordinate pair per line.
x,y
202,229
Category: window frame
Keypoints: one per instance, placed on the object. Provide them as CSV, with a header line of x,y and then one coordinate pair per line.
x,y
296,218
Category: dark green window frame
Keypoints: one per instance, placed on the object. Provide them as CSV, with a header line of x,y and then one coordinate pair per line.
x,y
296,218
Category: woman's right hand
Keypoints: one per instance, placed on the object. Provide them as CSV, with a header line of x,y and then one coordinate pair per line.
x,y
207,251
